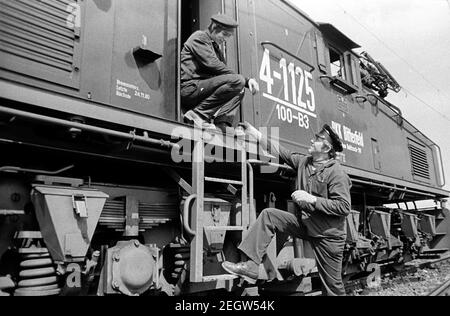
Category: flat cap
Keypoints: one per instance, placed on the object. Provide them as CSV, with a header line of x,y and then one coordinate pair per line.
x,y
225,21
332,137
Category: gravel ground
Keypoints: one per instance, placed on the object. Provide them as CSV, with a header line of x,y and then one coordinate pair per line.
x,y
418,283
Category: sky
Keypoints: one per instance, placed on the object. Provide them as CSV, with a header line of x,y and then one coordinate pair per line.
x,y
411,38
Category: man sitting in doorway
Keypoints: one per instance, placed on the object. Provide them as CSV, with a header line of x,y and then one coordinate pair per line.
x,y
210,91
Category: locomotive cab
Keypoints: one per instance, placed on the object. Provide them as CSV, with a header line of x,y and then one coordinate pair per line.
x,y
336,60
196,15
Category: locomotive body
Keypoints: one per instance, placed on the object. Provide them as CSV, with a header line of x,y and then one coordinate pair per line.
x,y
100,177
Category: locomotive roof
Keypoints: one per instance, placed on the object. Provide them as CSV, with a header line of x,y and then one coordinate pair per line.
x,y
330,31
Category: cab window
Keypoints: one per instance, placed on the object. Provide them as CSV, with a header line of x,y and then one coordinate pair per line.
x,y
337,64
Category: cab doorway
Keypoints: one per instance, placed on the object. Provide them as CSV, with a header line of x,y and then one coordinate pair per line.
x,y
195,15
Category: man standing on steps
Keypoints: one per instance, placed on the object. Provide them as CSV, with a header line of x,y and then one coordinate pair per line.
x,y
210,91
323,200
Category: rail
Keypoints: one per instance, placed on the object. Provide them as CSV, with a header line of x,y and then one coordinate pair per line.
x,y
269,164
131,136
392,187
186,217
179,46
37,171
442,290
388,104
441,166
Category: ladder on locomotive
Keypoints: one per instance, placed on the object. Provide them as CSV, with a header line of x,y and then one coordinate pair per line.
x,y
198,188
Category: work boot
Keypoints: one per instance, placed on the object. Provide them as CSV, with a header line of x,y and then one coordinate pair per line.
x,y
195,119
6,283
248,270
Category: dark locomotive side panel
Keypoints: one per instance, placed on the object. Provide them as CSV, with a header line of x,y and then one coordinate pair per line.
x,y
123,54
375,136
277,49
40,41
120,53
143,76
309,75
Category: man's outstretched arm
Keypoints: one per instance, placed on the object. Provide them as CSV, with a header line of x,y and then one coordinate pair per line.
x,y
292,159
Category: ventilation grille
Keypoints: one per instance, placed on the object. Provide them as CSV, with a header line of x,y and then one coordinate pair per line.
x,y
39,33
419,161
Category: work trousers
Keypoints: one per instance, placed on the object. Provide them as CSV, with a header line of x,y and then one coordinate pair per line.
x,y
217,98
328,251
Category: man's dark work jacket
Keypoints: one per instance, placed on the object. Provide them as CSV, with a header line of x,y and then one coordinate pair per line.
x,y
331,185
201,58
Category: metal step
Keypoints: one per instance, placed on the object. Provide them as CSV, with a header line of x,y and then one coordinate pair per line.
x,y
6,283
437,250
32,250
223,277
440,235
224,181
11,212
317,293
28,235
226,228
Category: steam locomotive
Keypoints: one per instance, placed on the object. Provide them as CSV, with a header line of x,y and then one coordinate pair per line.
x,y
104,190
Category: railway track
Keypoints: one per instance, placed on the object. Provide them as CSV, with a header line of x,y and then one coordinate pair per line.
x,y
410,269
432,263
442,290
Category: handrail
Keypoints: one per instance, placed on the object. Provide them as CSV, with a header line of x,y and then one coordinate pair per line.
x,y
186,208
19,169
270,164
394,187
289,53
179,46
389,105
129,136
361,97
251,182
326,77
444,181
340,84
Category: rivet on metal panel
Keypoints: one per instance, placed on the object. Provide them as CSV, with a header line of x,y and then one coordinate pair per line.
x,y
15,197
